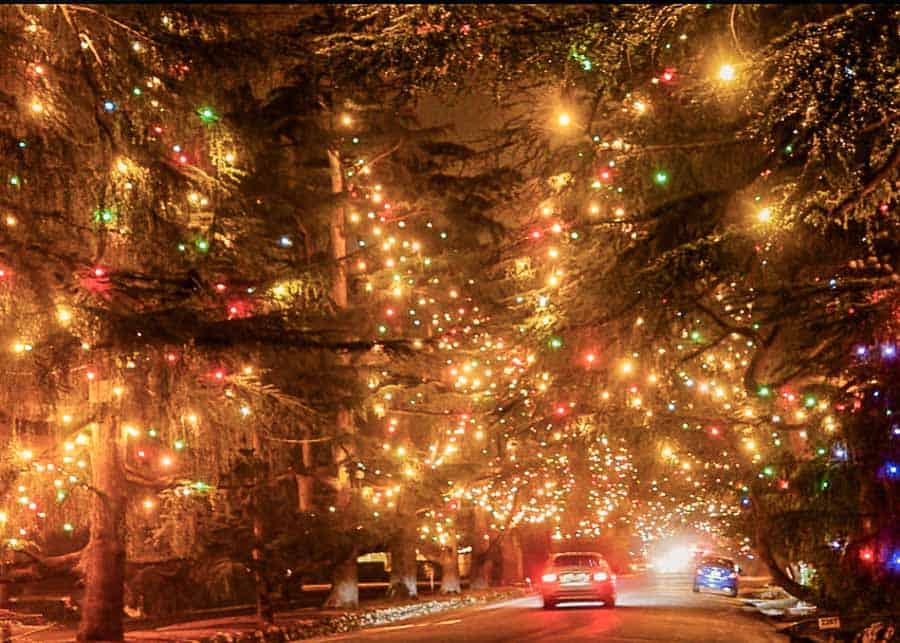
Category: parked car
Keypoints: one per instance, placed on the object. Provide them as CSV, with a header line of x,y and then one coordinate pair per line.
x,y
716,572
578,576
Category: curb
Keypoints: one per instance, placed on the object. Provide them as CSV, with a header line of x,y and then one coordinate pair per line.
x,y
350,621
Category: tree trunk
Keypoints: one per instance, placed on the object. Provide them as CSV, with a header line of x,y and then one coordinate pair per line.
x,y
480,571
344,583
4,587
403,566
344,587
511,558
450,569
766,554
104,557
265,613
338,234
305,480
304,492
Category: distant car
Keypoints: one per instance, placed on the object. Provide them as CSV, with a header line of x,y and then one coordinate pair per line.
x,y
640,568
578,576
715,572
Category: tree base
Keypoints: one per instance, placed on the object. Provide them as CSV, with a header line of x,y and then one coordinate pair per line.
x,y
404,588
344,587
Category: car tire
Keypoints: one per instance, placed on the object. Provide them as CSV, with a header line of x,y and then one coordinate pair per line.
x,y
549,605
696,589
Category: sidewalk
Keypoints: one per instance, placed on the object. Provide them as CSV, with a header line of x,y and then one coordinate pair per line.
x,y
296,624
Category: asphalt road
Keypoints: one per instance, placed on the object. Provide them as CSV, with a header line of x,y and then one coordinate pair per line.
x,y
649,608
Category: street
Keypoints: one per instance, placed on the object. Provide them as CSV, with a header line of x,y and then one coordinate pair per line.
x,y
650,608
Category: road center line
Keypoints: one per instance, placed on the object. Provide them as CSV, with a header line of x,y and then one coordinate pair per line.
x,y
449,621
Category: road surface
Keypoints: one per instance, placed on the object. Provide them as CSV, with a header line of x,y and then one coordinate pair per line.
x,y
649,608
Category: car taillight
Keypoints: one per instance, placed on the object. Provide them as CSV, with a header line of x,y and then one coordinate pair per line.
x,y
601,576
549,578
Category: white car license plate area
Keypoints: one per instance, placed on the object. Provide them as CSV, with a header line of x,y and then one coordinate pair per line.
x,y
573,579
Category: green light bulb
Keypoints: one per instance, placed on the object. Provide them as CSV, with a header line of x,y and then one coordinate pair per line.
x,y
207,115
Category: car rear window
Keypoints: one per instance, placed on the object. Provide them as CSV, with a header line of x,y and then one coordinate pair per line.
x,y
718,562
576,561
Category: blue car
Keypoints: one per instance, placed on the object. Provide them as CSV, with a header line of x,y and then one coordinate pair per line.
x,y
718,573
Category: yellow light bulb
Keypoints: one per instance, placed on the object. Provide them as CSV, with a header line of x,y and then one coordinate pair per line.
x,y
726,73
764,215
564,120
